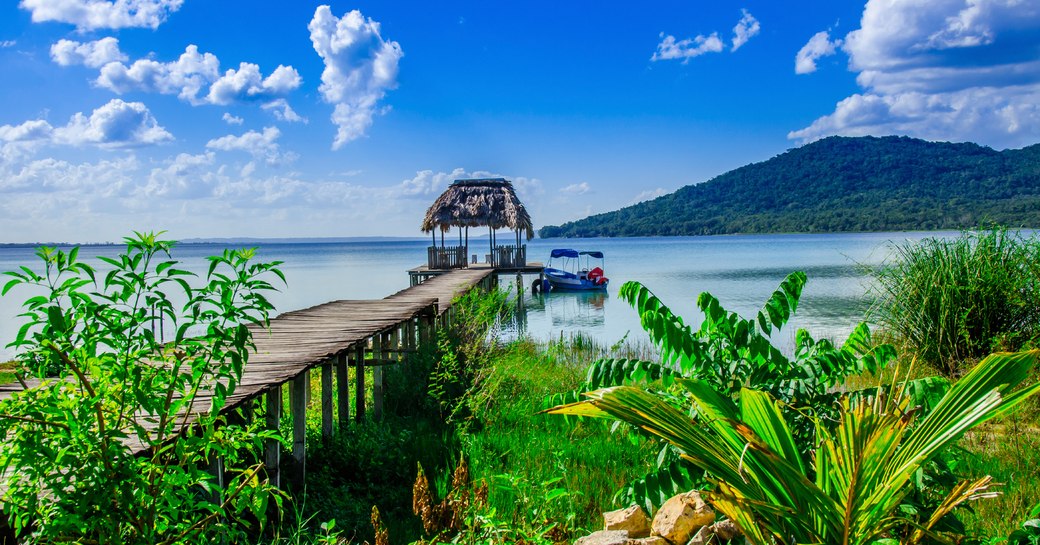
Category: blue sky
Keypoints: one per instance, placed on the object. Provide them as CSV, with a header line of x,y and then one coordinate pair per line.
x,y
279,119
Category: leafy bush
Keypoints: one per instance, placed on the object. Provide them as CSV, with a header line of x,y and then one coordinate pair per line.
x,y
951,300
120,387
851,490
730,352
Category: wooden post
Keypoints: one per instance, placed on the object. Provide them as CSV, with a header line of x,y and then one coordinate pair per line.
x,y
359,374
343,390
378,343
216,468
409,335
273,454
326,399
298,407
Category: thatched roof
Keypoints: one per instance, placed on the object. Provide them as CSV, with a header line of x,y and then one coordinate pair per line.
x,y
479,203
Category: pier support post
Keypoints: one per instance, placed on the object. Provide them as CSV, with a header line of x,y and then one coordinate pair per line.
x,y
380,356
343,390
273,448
298,406
359,374
326,399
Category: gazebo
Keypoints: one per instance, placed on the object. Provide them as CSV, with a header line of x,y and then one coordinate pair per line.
x,y
490,202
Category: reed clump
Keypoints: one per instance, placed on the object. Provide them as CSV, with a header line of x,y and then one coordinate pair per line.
x,y
950,302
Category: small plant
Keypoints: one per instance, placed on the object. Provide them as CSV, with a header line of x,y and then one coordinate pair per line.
x,y
955,300
134,372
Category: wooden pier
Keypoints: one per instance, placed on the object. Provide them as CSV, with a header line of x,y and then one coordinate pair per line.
x,y
422,273
334,337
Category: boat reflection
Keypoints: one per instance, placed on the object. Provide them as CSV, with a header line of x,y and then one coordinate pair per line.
x,y
573,309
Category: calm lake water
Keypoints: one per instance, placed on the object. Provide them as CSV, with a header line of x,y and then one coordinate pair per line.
x,y
741,270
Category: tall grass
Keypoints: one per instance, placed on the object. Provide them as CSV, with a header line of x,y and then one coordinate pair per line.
x,y
950,301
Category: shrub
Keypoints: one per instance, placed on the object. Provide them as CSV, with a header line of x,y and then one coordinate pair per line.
x,y
951,300
120,387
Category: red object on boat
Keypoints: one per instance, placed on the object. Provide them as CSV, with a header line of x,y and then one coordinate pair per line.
x,y
596,276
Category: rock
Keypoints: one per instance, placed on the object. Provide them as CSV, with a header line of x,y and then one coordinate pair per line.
x,y
652,540
726,529
606,537
632,519
681,516
702,537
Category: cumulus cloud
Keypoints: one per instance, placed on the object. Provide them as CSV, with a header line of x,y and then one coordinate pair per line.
x,y
944,70
746,29
360,67
261,145
247,82
283,112
577,189
192,73
820,45
30,131
232,120
91,54
97,14
117,124
669,48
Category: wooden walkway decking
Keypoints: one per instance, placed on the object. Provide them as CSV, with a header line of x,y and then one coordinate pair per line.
x,y
333,336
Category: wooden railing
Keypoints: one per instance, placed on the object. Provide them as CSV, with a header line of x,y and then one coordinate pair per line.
x,y
451,257
509,256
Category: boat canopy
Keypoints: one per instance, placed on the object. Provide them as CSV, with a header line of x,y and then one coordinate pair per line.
x,y
563,252
597,255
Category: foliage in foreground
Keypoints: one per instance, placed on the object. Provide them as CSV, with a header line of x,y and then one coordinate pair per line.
x,y
955,300
851,490
730,352
113,385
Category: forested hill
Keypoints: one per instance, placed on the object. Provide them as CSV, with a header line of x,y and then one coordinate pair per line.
x,y
842,184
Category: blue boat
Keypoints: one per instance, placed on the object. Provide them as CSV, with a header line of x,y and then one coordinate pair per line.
x,y
574,272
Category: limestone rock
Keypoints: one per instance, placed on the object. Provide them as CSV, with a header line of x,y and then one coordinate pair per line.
x,y
632,519
702,537
605,537
725,529
681,516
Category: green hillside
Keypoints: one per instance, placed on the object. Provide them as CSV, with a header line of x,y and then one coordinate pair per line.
x,y
842,184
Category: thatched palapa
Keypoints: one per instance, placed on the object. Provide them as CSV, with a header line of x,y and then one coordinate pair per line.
x,y
490,202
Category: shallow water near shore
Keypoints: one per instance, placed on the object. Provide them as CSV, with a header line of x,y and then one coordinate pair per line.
x,y
741,270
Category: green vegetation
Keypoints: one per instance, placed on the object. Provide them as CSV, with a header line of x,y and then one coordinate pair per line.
x,y
952,301
851,490
847,437
842,184
69,444
473,401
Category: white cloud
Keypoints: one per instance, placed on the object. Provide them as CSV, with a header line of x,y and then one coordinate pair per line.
x,y
97,14
577,189
820,45
193,72
262,145
426,183
670,48
647,195
247,83
115,125
185,176
8,43
232,120
92,54
746,29
944,70
30,131
360,67
686,49
283,112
